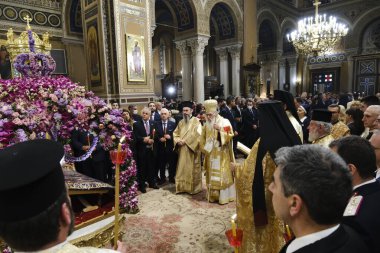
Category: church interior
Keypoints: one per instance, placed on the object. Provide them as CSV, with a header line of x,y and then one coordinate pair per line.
x,y
134,52
196,46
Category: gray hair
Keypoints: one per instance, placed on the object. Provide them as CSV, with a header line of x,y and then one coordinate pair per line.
x,y
326,125
319,176
147,110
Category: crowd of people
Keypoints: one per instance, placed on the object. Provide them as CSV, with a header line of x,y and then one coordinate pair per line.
x,y
310,182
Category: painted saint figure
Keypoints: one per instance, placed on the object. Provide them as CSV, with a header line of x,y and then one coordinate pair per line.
x,y
136,55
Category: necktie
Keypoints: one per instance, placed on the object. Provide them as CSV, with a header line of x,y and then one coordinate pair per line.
x,y
147,127
164,127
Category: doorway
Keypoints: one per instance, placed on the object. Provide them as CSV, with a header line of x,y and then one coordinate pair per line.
x,y
325,80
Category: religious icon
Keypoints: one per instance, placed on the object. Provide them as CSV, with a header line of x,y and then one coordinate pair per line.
x,y
93,54
135,58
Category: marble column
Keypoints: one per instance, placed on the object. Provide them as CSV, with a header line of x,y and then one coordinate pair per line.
x,y
198,45
223,61
187,88
235,56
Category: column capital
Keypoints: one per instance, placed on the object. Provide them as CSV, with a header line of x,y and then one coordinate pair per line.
x,y
198,44
235,50
183,48
222,53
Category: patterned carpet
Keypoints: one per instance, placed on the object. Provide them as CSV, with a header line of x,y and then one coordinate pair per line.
x,y
178,223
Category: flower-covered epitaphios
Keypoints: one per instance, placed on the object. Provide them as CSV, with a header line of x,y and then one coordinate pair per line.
x,y
46,107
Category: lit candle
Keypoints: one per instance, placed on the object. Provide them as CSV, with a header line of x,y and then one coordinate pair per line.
x,y
233,225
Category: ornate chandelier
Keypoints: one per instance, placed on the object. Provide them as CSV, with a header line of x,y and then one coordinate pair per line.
x,y
317,34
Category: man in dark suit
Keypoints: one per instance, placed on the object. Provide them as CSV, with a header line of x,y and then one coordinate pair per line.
x,y
165,146
144,132
237,112
311,187
155,116
250,124
227,113
95,165
363,209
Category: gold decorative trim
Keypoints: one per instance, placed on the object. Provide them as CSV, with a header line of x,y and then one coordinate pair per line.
x,y
94,220
99,238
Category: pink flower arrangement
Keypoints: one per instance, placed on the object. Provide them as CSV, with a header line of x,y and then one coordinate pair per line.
x,y
46,107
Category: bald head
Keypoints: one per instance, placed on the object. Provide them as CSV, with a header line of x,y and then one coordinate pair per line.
x,y
370,116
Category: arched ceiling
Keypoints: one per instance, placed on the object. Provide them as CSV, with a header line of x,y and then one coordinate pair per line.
x,y
163,14
222,17
267,37
181,9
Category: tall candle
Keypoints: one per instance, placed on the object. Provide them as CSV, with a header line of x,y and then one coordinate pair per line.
x,y
233,225
117,185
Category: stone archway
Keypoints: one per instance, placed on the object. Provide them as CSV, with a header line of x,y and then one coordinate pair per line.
x,y
224,44
235,11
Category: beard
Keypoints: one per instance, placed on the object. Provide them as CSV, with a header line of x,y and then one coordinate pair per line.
x,y
186,118
313,135
209,122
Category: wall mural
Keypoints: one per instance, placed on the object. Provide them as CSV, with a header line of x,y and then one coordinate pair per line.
x,y
93,53
135,58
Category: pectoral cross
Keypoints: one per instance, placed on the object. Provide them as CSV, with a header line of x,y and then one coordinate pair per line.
x,y
27,19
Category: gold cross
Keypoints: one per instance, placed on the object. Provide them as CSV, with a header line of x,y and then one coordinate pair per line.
x,y
27,19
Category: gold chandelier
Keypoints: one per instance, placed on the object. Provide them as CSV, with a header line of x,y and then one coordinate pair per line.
x,y
317,34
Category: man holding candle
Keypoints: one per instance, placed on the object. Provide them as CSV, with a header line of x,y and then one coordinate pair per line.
x,y
186,141
144,133
311,187
165,146
216,144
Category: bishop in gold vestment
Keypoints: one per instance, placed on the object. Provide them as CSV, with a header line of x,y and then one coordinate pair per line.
x,y
216,144
263,232
186,140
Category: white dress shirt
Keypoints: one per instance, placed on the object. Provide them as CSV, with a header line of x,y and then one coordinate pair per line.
x,y
366,182
303,241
